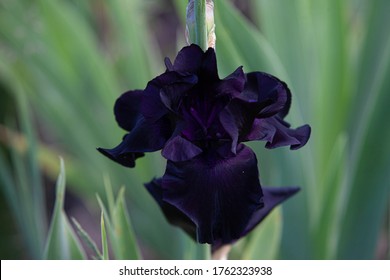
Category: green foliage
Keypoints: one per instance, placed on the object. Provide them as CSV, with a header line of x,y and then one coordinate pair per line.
x,y
21,184
64,63
120,229
61,243
104,238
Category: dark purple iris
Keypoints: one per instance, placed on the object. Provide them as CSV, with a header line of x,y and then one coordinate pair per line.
x,y
211,186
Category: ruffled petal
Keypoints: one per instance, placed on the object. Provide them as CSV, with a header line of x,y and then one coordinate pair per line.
x,y
209,71
278,133
172,84
171,213
266,94
145,137
172,94
218,195
232,85
127,109
262,97
189,59
230,125
192,59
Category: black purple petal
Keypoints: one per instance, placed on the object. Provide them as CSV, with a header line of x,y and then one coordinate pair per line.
x,y
180,149
119,155
208,71
278,133
218,195
230,124
171,213
189,59
272,198
232,85
172,94
144,137
192,59
171,84
266,94
127,109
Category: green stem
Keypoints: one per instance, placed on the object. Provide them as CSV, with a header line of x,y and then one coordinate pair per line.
x,y
200,24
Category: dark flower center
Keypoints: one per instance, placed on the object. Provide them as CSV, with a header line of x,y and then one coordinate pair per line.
x,y
200,111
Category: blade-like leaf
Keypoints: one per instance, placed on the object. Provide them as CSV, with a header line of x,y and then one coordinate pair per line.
x,y
62,242
255,51
104,238
88,240
123,239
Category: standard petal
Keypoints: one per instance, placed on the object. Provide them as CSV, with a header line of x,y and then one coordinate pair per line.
x,y
209,71
172,94
145,137
278,133
232,85
192,59
189,59
173,84
127,109
262,97
230,124
218,195
172,214
237,120
266,94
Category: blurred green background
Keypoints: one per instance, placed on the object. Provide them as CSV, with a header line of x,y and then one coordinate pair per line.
x,y
64,63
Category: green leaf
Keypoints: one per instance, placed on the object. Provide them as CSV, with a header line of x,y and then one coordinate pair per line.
x,y
104,238
256,53
368,191
88,240
123,239
327,225
137,51
62,242
109,195
20,177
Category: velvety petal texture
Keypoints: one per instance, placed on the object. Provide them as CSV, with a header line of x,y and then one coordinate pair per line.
x,y
218,195
272,198
173,214
211,187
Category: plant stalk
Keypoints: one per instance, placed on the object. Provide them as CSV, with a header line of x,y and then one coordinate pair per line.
x,y
200,23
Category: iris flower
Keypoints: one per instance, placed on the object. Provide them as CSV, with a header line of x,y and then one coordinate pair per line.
x,y
211,186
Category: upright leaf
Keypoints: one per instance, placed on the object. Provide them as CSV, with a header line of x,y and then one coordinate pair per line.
x,y
123,239
62,243
104,238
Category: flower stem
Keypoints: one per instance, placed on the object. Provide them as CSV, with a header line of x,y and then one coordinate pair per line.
x,y
200,23
222,253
